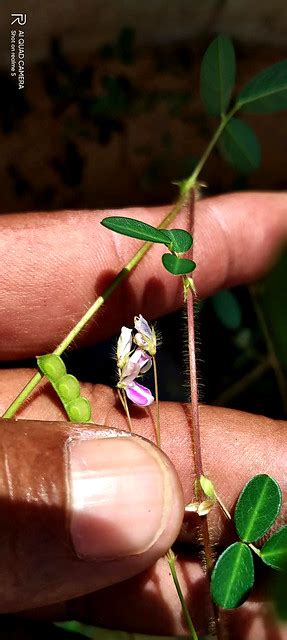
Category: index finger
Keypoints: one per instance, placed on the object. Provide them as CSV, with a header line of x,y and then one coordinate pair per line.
x,y
54,265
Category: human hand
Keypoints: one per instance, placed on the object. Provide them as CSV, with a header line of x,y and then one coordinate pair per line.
x,y
51,268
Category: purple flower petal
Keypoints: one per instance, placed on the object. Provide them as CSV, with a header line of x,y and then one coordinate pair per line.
x,y
142,326
139,394
143,359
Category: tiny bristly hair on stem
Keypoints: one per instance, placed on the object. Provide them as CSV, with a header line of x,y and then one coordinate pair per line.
x,y
233,574
236,142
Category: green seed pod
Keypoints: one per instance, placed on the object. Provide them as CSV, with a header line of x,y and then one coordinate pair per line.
x,y
52,366
79,410
68,388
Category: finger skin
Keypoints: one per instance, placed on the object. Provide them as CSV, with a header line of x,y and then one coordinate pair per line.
x,y
54,265
235,445
38,561
149,604
261,446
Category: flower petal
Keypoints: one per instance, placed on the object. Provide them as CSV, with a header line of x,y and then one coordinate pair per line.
x,y
139,394
141,341
124,345
142,326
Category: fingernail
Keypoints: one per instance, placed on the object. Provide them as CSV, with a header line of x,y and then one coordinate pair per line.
x,y
120,496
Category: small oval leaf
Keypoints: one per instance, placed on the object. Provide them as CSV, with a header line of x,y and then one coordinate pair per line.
x,y
257,507
51,366
267,91
239,146
274,551
217,75
135,229
79,410
227,309
233,576
177,266
180,240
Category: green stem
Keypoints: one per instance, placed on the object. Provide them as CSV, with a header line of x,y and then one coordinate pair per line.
x,y
157,401
126,407
185,190
255,549
224,120
20,399
32,384
171,561
223,507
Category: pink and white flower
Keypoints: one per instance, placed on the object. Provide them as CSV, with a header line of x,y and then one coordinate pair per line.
x,y
135,365
138,363
139,394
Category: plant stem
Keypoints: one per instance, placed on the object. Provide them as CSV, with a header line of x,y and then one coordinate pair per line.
x,y
157,401
223,507
32,384
255,549
171,561
224,121
123,399
198,465
187,186
126,406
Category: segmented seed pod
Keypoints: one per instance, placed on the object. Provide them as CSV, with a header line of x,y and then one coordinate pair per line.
x,y
79,410
52,366
68,388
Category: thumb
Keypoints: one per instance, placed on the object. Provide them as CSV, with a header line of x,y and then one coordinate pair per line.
x,y
82,507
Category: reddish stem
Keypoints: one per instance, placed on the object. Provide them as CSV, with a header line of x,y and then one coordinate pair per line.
x,y
197,455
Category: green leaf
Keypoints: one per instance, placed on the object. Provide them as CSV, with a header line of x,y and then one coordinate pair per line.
x,y
180,240
217,76
135,229
177,266
257,507
227,309
233,576
274,551
239,146
266,92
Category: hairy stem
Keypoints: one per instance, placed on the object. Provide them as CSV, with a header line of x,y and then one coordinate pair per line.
x,y
157,401
171,561
186,187
124,273
197,453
